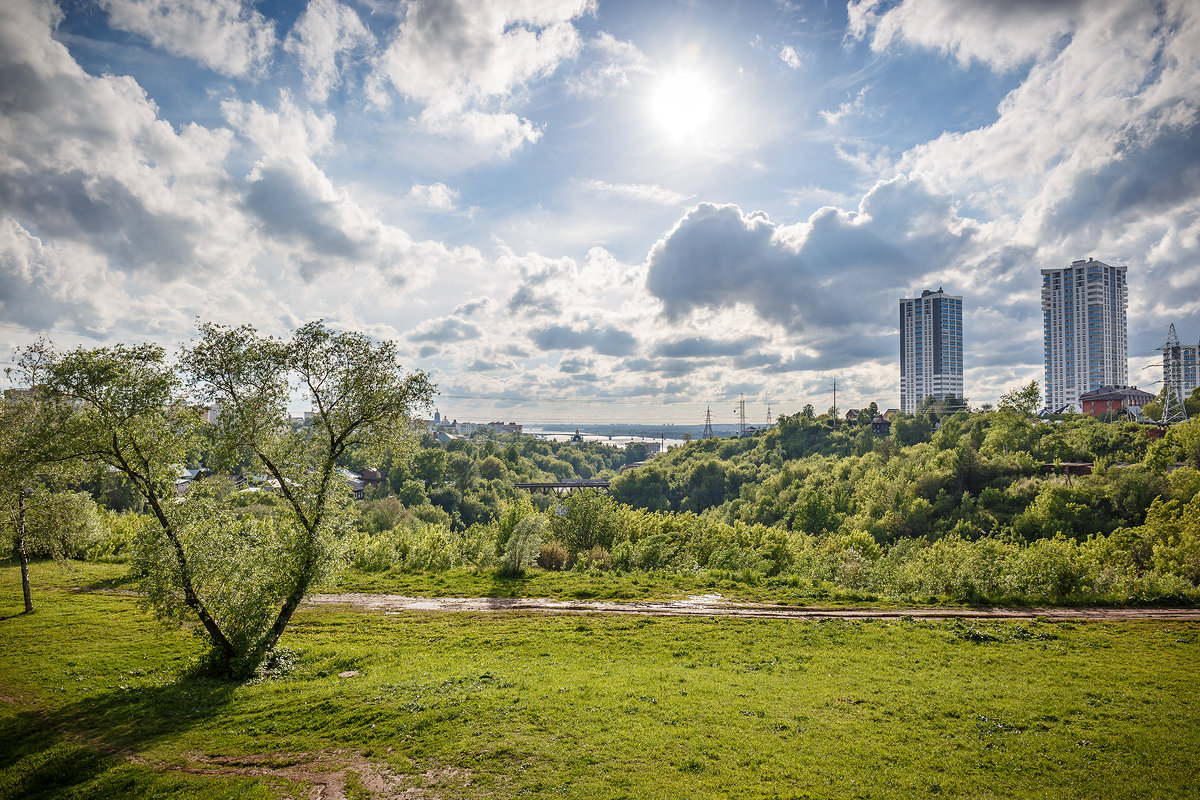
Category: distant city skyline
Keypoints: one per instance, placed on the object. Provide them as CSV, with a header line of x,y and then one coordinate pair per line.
x,y
605,210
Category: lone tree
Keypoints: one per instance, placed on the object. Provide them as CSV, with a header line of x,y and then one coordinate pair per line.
x,y
242,578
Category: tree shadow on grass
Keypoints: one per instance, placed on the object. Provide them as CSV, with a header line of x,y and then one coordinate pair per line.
x,y
84,749
509,587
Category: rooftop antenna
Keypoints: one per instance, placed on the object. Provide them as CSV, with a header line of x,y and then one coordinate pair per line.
x,y
708,431
1173,410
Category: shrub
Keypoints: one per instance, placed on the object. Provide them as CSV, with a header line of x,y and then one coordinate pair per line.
x,y
598,558
523,547
553,555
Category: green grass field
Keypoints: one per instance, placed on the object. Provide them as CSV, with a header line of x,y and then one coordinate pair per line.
x,y
95,702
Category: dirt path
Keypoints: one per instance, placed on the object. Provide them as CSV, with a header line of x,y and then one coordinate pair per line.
x,y
713,605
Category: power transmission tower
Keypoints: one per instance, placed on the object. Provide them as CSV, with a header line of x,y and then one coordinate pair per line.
x,y
768,415
742,416
708,433
1173,410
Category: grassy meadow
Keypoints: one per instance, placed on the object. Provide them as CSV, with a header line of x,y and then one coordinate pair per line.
x,y
96,701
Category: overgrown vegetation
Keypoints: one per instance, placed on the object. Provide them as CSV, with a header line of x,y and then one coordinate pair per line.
x,y
969,507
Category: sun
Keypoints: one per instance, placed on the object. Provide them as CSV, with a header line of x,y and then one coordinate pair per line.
x,y
682,104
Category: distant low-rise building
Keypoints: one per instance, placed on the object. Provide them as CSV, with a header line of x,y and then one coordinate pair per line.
x,y
505,427
1112,401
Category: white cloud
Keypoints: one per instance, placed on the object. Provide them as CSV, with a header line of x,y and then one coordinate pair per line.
x,y
320,226
789,56
435,195
719,257
323,38
1001,33
615,65
463,61
88,162
490,133
852,107
647,193
227,36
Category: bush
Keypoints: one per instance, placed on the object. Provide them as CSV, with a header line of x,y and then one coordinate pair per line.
x,y
598,558
553,555
523,547
119,535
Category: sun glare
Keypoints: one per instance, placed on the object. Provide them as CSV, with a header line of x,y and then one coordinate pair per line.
x,y
682,104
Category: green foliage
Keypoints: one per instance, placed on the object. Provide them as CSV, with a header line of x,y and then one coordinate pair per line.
x,y
585,519
523,547
553,555
1024,400
61,525
128,412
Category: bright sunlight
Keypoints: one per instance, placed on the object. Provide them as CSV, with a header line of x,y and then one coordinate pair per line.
x,y
682,103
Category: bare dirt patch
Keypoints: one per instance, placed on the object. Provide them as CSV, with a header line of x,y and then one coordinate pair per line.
x,y
327,776
713,605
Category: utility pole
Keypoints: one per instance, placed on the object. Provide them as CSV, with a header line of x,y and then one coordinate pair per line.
x,y
835,410
1173,410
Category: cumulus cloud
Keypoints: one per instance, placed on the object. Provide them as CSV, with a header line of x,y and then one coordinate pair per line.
x,y
323,39
319,226
463,62
546,286
435,195
41,286
602,339
702,346
1001,33
445,330
227,36
789,56
89,163
803,277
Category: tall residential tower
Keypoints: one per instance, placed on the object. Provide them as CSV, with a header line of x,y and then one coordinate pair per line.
x,y
1083,315
931,349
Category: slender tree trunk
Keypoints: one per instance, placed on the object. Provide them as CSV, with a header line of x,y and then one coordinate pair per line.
x,y
21,554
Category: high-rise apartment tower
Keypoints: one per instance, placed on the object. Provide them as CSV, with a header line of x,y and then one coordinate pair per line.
x,y
931,348
1083,316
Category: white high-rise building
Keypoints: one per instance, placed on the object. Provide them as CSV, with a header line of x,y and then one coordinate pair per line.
x,y
931,349
1083,316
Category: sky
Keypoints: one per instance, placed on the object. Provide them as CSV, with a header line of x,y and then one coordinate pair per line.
x,y
590,211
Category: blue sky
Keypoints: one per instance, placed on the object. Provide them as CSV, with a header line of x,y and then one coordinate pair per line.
x,y
568,210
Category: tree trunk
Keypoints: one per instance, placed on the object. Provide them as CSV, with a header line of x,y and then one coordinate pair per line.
x,y
21,554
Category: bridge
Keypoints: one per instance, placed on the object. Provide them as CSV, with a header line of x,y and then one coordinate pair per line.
x,y
558,487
